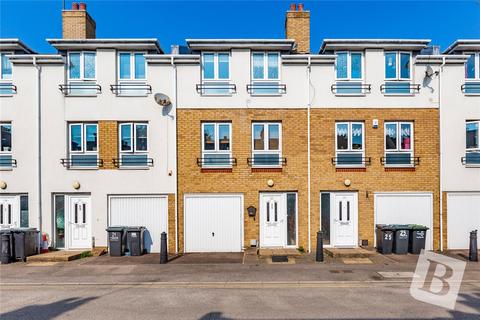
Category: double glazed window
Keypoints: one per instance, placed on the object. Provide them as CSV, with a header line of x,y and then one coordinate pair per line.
x,y
216,73
6,87
82,73
472,142
472,73
267,144
6,145
265,73
216,144
133,144
83,145
398,72
398,143
349,143
349,72
132,74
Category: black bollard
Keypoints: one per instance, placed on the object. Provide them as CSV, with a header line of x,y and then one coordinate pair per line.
x,y
319,257
473,254
163,249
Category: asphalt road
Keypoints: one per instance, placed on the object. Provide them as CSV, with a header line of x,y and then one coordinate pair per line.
x,y
347,300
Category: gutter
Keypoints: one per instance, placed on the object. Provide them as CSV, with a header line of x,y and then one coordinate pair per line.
x,y
39,146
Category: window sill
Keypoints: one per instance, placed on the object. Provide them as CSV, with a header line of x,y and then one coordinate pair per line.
x,y
216,170
350,169
133,168
267,169
399,169
350,94
6,168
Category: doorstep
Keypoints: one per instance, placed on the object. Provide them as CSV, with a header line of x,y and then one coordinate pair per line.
x,y
349,252
58,256
268,252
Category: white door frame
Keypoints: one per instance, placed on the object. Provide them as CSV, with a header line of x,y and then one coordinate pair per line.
x,y
14,200
284,196
201,195
332,218
68,216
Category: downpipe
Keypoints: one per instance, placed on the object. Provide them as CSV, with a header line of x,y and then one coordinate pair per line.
x,y
441,148
39,148
172,62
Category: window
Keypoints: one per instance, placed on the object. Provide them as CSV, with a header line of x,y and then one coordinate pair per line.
x,y
472,74
349,73
349,143
83,145
6,86
397,72
472,143
399,143
24,211
82,73
131,66
216,144
267,144
216,73
134,144
6,160
59,207
265,73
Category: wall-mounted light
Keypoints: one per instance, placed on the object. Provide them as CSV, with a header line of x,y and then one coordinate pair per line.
x,y
252,212
347,182
375,123
76,185
270,183
3,185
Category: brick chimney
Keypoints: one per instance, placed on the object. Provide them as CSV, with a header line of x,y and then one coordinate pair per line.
x,y
77,23
297,26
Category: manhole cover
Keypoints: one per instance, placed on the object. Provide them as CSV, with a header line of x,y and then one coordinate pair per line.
x,y
279,259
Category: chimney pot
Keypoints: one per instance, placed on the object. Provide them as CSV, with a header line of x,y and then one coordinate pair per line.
x,y
300,7
83,6
293,7
74,6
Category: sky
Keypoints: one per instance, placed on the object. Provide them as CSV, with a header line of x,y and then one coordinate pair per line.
x,y
171,22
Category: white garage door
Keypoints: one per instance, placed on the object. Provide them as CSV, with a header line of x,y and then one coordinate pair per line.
x,y
148,211
213,223
463,216
406,208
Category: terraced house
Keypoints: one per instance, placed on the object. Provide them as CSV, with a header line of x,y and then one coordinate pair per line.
x,y
227,144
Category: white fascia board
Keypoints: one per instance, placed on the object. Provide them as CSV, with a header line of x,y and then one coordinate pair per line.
x,y
463,45
123,44
38,58
15,44
440,59
303,59
176,59
362,44
255,44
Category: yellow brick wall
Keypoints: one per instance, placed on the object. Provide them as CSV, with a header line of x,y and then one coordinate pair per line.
x,y
242,179
324,177
77,24
171,223
108,142
297,26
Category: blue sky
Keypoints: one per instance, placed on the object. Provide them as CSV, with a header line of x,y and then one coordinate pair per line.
x,y
174,21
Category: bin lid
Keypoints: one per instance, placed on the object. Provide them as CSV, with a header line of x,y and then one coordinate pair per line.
x,y
401,226
418,227
385,227
116,228
23,229
135,229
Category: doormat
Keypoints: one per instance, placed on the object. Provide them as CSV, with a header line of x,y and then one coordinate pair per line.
x,y
279,259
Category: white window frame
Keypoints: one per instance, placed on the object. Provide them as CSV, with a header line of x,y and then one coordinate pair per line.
x,y
398,148
84,138
266,138
350,141
5,54
477,66
215,66
349,66
132,67
11,137
82,66
133,137
477,149
265,66
398,68
217,142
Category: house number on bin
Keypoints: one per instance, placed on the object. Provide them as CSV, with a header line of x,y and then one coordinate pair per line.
x,y
420,234
403,234
388,236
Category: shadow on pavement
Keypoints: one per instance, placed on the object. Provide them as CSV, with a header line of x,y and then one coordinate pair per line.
x,y
46,311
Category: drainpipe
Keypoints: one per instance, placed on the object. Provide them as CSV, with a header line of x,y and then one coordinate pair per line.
x,y
441,149
39,146
309,71
176,156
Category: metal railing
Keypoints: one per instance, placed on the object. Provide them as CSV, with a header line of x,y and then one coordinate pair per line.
x,y
266,89
399,88
7,88
216,89
415,161
216,162
347,161
81,163
267,161
8,163
131,88
80,89
132,162
350,88
471,88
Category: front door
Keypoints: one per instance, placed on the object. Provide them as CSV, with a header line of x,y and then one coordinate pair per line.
x,y
273,220
344,220
79,224
9,212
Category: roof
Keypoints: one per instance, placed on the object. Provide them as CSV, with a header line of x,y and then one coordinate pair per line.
x,y
463,45
226,44
14,44
360,44
127,44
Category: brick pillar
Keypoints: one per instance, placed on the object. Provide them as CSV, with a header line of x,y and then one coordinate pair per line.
x,y
77,23
297,27
108,142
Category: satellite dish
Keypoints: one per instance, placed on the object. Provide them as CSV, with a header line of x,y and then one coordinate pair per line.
x,y
429,72
162,99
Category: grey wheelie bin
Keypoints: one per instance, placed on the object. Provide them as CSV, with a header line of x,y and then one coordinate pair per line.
x,y
400,243
6,246
135,240
416,242
385,235
25,242
117,240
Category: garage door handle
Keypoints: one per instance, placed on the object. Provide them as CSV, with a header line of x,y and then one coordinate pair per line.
x,y
213,234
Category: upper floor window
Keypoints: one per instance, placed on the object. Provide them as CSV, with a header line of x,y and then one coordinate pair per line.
x,y
81,74
398,71
6,160
349,143
83,145
267,144
399,143
265,73
134,145
6,66
131,66
472,74
216,144
349,73
216,74
472,156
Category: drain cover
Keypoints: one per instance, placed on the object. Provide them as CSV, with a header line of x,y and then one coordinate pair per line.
x,y
279,259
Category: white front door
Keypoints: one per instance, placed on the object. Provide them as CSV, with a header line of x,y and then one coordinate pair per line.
x,y
344,220
273,220
79,222
9,212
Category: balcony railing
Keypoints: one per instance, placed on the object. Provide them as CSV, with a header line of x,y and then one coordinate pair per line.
x,y
351,160
471,159
133,161
214,88
399,88
7,162
210,162
131,89
471,88
266,88
80,89
350,88
266,161
82,162
7,89
400,160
